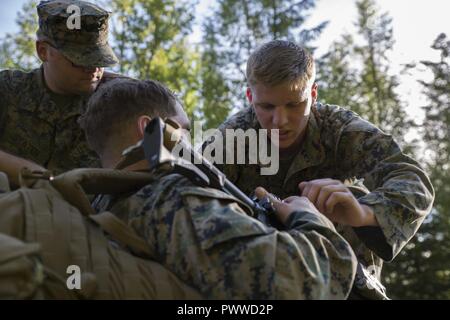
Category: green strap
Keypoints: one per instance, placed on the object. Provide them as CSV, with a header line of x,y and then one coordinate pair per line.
x,y
100,262
122,233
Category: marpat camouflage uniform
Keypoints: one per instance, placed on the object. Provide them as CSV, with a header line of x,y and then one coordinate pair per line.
x,y
41,126
210,243
340,145
37,124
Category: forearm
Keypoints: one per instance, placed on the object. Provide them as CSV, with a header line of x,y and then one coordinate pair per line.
x,y
326,256
239,258
401,198
401,194
11,165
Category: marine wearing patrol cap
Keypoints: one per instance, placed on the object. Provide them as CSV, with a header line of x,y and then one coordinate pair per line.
x,y
85,46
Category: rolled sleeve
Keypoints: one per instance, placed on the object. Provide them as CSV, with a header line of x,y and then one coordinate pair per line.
x,y
401,194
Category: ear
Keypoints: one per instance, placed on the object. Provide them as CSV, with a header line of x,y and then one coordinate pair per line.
x,y
42,50
142,122
314,92
249,95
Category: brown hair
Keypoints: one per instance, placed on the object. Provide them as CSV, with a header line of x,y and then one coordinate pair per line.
x,y
280,61
120,102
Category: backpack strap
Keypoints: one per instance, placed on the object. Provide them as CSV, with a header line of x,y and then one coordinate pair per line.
x,y
4,183
145,277
74,185
99,255
131,271
21,272
122,233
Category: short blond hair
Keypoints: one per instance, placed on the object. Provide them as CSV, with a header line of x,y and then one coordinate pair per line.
x,y
280,61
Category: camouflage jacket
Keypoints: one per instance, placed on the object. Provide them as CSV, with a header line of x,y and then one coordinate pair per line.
x,y
205,238
341,145
41,126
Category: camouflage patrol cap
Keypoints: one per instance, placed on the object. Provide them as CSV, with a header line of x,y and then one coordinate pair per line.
x,y
84,44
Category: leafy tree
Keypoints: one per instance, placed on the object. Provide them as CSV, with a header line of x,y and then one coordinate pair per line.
x,y
17,50
215,92
381,103
337,77
422,271
151,40
356,72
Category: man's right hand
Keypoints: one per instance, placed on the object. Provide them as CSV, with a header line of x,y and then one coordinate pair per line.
x,y
285,207
11,165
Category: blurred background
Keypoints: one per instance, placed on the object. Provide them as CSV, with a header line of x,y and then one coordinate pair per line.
x,y
386,60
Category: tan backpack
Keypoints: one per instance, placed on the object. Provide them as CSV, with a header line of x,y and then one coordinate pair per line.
x,y
48,226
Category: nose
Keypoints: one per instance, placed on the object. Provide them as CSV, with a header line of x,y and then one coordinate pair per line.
x,y
280,117
91,70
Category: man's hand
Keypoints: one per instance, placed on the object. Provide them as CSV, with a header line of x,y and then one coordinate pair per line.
x,y
283,209
11,165
336,201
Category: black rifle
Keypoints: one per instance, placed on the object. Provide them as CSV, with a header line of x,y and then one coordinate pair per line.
x,y
161,137
159,140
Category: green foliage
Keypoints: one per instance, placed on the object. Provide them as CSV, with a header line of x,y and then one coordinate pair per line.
x,y
437,125
423,268
356,72
215,92
150,38
381,103
337,77
17,51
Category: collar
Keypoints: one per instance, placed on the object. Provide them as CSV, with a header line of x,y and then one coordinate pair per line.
x,y
311,151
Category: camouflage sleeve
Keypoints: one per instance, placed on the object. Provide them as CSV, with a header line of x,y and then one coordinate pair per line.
x,y
204,237
401,194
